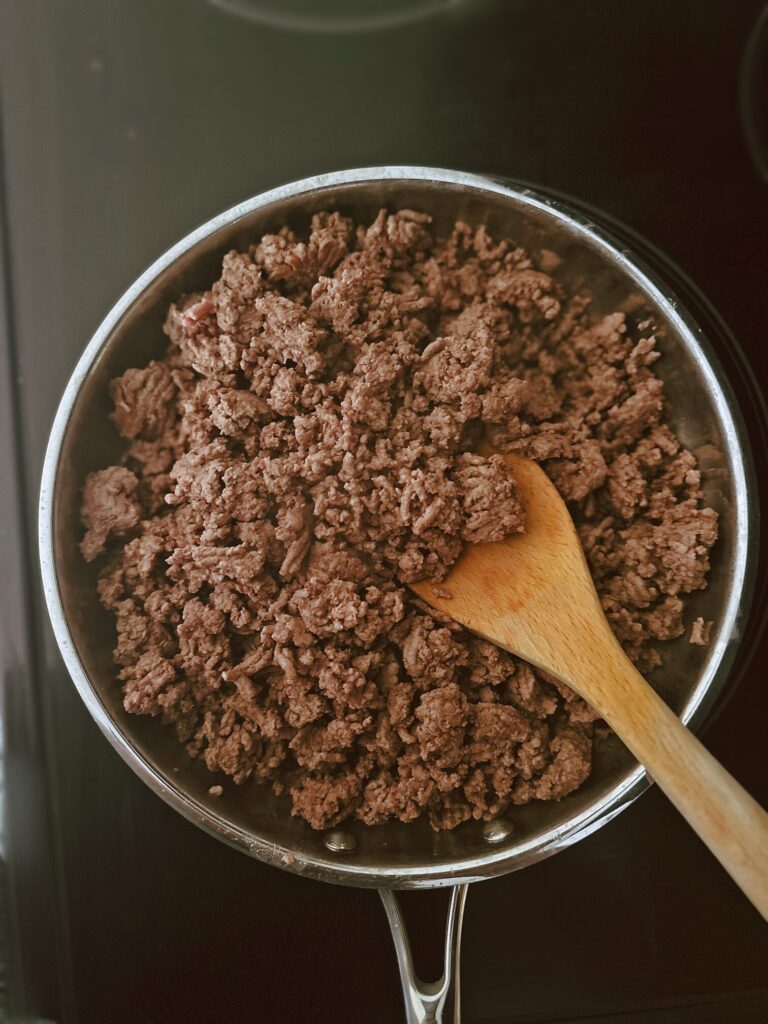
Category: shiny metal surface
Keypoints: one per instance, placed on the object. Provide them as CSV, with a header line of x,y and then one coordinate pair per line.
x,y
496,831
251,818
436,1002
338,840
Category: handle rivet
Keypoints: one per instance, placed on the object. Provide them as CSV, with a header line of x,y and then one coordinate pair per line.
x,y
339,841
496,831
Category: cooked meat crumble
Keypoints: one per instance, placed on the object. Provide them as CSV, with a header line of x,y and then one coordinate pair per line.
x,y
308,446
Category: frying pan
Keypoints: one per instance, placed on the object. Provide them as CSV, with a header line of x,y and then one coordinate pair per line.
x,y
396,855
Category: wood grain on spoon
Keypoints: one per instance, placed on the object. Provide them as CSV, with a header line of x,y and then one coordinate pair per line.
x,y
533,595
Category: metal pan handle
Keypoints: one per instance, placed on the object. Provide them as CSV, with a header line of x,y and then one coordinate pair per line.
x,y
435,1002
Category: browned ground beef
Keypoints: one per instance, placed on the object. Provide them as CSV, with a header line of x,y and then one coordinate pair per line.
x,y
306,447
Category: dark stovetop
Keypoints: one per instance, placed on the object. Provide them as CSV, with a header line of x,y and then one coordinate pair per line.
x,y
125,124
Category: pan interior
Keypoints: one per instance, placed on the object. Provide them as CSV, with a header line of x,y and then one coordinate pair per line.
x,y
250,816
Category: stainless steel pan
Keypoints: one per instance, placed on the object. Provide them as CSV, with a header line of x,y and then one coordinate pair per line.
x,y
396,855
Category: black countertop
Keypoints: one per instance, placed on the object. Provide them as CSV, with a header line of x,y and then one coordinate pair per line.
x,y
125,124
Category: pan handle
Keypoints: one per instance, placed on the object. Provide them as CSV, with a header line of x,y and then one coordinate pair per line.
x,y
429,1002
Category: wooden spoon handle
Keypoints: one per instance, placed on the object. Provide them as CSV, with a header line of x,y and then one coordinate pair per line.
x,y
720,811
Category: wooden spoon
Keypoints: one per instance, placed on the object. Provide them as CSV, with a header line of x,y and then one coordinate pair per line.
x,y
533,595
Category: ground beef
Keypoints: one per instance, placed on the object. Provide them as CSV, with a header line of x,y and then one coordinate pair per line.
x,y
308,446
110,508
700,630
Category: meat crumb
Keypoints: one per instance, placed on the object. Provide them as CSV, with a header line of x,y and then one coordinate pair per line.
x,y
109,508
700,631
309,444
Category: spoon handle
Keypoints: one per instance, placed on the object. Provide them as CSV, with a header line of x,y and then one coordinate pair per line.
x,y
731,823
